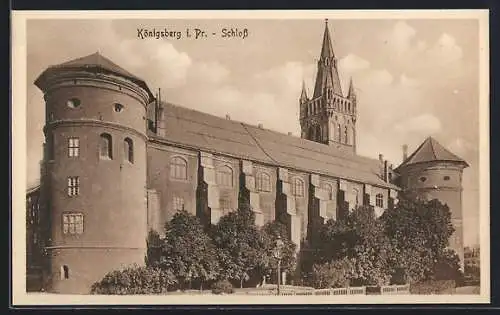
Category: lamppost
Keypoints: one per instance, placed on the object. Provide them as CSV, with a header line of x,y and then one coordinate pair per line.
x,y
278,255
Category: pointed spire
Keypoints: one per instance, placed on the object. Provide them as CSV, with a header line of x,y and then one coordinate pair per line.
x,y
327,48
327,78
352,93
303,94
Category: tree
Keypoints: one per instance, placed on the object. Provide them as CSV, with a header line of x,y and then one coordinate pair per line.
x,y
154,245
335,274
359,238
271,231
188,251
448,267
419,231
240,243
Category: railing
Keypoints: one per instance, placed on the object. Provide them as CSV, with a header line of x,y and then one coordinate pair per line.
x,y
384,290
395,289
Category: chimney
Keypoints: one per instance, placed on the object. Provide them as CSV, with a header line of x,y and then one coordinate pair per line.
x,y
381,158
261,126
405,152
228,117
289,133
386,171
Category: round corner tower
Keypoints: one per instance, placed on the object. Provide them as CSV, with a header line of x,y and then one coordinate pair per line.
x,y
95,170
435,173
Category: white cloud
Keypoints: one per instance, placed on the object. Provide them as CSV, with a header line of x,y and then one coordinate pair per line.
x,y
425,124
401,37
408,82
445,51
212,72
380,77
461,146
353,63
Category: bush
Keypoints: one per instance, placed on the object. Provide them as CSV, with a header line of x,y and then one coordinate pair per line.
x,y
222,287
135,280
433,287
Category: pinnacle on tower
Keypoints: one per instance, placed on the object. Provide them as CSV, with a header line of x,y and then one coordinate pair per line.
x,y
352,93
303,94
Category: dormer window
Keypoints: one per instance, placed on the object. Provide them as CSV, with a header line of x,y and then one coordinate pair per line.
x,y
118,107
73,103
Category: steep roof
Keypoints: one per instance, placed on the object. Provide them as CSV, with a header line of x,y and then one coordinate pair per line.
x,y
431,151
99,63
194,129
327,76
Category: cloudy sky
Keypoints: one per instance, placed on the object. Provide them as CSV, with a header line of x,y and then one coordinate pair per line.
x,y
414,78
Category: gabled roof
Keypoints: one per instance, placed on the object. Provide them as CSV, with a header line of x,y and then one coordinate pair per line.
x,y
197,130
431,151
99,63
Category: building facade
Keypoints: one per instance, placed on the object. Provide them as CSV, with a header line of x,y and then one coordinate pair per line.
x,y
119,162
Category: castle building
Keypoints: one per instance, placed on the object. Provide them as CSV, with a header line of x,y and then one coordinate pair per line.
x,y
119,162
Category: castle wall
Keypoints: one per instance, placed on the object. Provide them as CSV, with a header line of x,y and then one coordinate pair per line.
x,y
166,186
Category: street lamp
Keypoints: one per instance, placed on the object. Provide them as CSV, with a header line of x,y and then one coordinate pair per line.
x,y
278,255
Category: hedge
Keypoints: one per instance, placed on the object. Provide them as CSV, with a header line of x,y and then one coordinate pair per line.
x,y
135,280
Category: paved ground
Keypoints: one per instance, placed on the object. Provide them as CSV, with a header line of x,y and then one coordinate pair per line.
x,y
467,290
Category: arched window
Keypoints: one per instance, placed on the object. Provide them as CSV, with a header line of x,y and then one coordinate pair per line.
x,y
339,133
297,187
263,182
329,189
64,272
224,176
106,146
178,168
346,135
379,200
128,150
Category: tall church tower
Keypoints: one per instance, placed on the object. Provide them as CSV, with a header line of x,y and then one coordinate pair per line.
x,y
328,116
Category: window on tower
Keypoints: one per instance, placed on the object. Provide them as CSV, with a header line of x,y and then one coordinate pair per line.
x,y
346,135
73,223
128,150
73,147
73,103
178,168
73,186
106,146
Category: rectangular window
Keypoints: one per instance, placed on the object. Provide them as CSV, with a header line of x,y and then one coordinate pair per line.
x,y
178,204
72,223
73,186
73,147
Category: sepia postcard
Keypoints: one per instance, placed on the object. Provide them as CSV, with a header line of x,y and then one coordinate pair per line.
x,y
250,157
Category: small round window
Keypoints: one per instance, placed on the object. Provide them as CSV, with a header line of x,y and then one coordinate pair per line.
x,y
73,103
446,178
423,179
118,107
